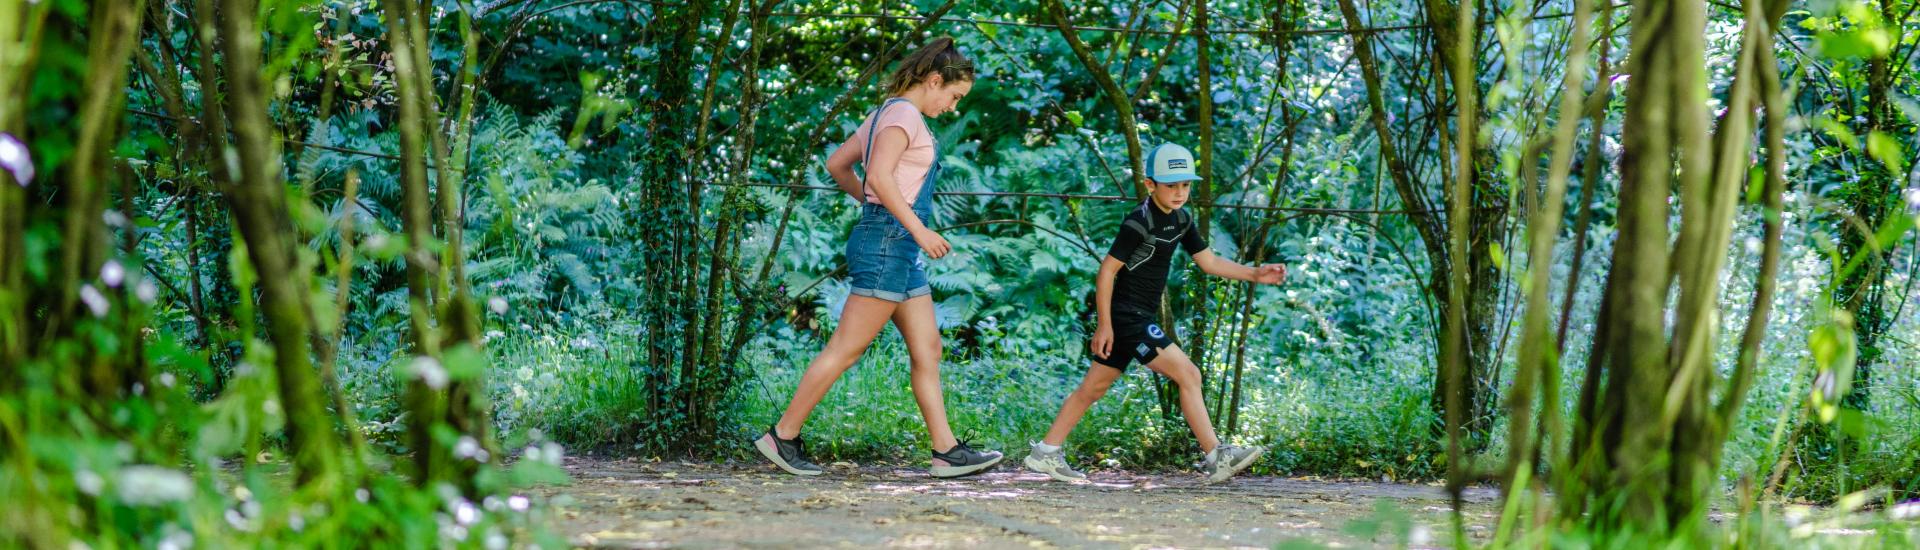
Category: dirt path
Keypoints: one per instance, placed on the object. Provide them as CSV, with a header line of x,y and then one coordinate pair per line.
x,y
628,504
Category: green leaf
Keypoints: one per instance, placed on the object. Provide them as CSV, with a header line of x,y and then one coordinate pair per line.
x,y
1838,131
1854,423
1855,44
1076,118
1499,256
1885,149
464,362
989,30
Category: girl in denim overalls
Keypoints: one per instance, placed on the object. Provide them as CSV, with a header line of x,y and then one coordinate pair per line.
x,y
884,259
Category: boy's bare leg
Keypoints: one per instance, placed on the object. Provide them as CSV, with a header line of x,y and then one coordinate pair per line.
x,y
860,321
915,320
1175,365
1098,380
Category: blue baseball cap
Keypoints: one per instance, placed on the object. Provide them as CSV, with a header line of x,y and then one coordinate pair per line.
x,y
1170,163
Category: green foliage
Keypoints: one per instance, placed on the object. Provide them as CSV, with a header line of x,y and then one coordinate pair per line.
x,y
1334,369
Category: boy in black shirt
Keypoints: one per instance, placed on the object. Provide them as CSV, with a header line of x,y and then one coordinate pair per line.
x,y
1132,278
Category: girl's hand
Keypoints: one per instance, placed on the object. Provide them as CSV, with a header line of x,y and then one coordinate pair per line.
x,y
932,243
1270,274
1102,341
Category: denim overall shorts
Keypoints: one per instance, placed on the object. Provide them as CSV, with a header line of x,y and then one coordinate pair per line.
x,y
883,261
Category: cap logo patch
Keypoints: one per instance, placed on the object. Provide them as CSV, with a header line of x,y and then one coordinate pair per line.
x,y
1176,164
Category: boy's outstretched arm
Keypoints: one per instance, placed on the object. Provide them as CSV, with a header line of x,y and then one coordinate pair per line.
x,y
1213,264
1103,305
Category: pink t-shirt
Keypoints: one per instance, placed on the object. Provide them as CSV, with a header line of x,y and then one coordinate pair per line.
x,y
915,162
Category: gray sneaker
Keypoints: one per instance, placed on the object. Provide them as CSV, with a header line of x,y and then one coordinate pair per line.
x,y
962,460
1226,460
788,454
1053,464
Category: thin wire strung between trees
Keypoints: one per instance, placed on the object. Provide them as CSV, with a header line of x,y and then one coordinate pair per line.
x,y
1109,198
1191,32
1009,194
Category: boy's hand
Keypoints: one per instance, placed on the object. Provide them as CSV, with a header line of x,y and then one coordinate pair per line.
x,y
932,243
1102,341
1270,274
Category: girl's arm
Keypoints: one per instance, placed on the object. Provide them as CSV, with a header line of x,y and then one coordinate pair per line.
x,y
1271,274
887,149
840,166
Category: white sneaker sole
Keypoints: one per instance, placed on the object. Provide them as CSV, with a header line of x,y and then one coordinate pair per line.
x,y
957,471
1031,465
1235,468
767,450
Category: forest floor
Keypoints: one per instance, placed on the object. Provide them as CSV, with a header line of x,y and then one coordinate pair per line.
x,y
630,503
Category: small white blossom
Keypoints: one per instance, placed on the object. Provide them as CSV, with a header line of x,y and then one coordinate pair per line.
x,y
112,273
15,158
96,302
466,513
429,372
467,447
152,485
88,482
145,291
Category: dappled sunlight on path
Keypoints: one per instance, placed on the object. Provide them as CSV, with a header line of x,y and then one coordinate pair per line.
x,y
633,504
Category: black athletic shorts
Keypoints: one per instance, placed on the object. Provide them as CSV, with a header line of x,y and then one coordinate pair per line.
x,y
1134,340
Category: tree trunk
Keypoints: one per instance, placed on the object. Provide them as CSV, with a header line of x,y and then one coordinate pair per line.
x,y
468,410
258,200
663,209
1454,343
1590,178
722,261
1116,97
1538,363
1874,197
1203,159
427,379
1645,456
16,78
1435,236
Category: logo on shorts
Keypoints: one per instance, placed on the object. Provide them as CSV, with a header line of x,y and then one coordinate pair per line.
x,y
1141,349
1154,331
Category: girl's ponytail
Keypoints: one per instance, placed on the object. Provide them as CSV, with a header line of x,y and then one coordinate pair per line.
x,y
940,56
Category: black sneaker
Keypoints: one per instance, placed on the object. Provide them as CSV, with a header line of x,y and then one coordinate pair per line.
x,y
963,460
788,454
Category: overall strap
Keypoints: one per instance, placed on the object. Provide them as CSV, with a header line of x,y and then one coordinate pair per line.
x,y
873,124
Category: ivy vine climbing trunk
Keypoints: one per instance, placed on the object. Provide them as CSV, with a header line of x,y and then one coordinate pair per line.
x,y
662,218
723,258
